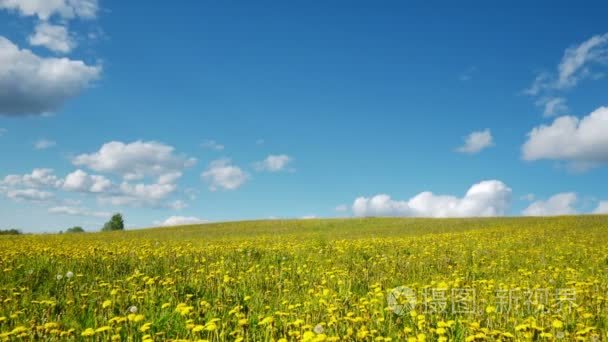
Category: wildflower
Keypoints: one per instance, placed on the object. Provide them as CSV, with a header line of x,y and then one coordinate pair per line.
x,y
88,332
59,276
318,329
133,309
69,274
557,324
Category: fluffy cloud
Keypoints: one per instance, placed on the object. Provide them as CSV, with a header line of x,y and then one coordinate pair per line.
x,y
560,204
477,141
274,163
30,84
180,220
222,174
602,208
575,65
579,141
83,182
487,198
33,195
212,145
39,178
43,144
44,9
76,211
135,160
54,37
553,106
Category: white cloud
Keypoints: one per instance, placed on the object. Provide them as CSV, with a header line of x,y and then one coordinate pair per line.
x,y
54,37
560,204
477,141
212,145
39,178
180,220
136,160
76,211
169,178
44,9
222,174
44,144
83,182
553,106
150,192
274,163
3,131
575,65
579,141
487,198
30,84
177,205
309,217
33,195
602,208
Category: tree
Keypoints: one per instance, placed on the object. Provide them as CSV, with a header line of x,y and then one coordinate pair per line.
x,y
10,232
115,223
75,230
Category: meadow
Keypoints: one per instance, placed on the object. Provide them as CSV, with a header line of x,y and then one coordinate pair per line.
x,y
372,279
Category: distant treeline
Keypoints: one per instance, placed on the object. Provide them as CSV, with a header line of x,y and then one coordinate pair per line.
x,y
10,232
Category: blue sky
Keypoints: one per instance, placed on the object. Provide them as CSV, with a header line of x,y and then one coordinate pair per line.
x,y
236,110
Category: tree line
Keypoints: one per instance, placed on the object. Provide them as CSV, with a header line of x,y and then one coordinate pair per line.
x,y
115,223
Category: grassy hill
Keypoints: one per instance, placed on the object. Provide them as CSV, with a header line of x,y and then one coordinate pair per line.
x,y
346,279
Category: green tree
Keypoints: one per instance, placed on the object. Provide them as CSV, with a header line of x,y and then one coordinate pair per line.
x,y
10,232
75,230
115,223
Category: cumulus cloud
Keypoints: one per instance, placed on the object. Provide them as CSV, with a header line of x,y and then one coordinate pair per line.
x,y
44,144
476,141
559,204
44,9
575,65
53,37
553,106
33,195
180,220
487,198
135,160
582,142
274,163
77,211
602,208
83,182
38,178
212,145
221,174
30,84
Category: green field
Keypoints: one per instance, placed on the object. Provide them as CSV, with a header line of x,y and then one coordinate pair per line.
x,y
375,279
